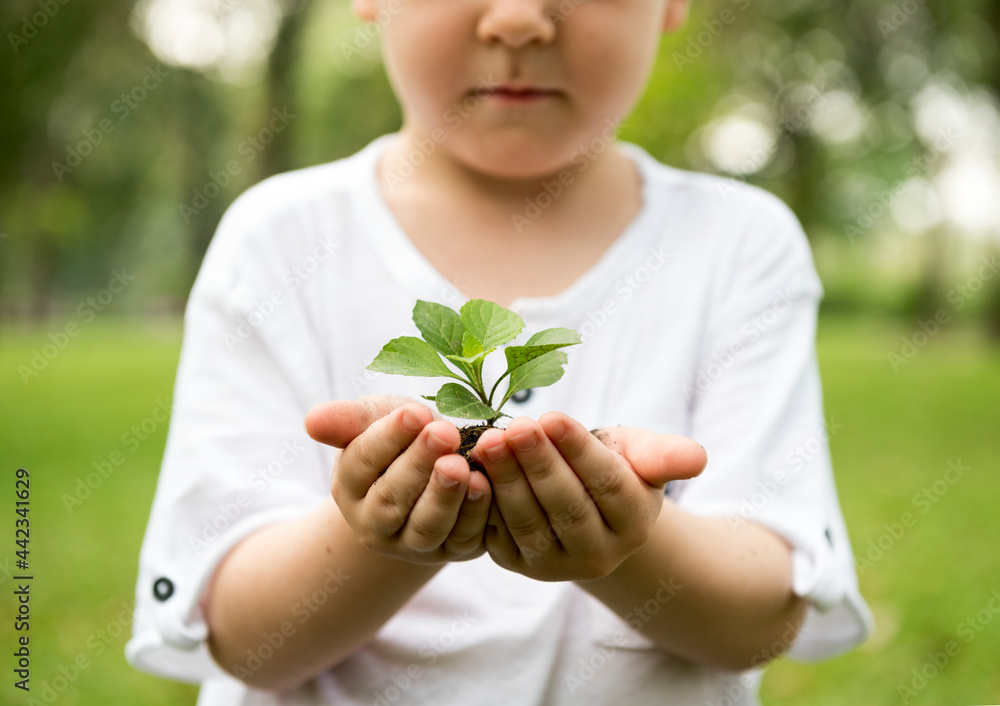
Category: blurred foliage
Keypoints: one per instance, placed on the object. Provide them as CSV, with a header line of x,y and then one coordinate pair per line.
x,y
833,88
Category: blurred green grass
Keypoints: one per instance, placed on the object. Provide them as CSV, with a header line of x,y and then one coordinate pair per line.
x,y
84,558
899,432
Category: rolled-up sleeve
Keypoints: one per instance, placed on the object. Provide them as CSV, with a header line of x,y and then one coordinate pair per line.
x,y
237,457
757,408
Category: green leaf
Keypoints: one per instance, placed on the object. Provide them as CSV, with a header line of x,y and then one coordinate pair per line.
x,y
539,372
456,400
564,336
440,326
490,323
473,352
468,360
409,355
541,343
471,346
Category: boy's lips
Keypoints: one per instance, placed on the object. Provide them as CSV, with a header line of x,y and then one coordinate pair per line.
x,y
513,93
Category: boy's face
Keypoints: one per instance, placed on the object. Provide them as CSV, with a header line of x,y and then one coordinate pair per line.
x,y
571,67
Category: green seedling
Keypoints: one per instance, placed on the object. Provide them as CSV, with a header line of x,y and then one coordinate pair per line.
x,y
463,339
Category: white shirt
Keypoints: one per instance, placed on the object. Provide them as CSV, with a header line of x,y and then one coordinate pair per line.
x,y
698,320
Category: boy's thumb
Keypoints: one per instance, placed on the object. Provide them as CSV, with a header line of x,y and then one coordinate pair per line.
x,y
339,422
656,458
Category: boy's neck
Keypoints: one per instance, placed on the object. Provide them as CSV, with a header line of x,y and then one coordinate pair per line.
x,y
608,174
480,233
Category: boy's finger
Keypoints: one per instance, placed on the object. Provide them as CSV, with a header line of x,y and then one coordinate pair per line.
x,y
371,452
554,478
656,458
390,501
339,422
467,535
609,483
523,517
434,514
501,546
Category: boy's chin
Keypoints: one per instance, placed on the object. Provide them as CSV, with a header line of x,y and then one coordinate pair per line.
x,y
514,161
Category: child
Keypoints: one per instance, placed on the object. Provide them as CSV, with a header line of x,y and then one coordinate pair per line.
x,y
571,577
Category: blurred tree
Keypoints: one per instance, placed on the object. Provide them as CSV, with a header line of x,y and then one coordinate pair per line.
x,y
90,144
811,99
281,65
816,101
202,121
39,45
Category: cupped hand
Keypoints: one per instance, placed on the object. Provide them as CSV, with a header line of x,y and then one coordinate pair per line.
x,y
399,483
572,505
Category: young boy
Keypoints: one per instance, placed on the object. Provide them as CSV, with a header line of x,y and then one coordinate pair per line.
x,y
572,576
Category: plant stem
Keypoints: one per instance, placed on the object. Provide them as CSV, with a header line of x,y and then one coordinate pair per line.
x,y
495,385
477,383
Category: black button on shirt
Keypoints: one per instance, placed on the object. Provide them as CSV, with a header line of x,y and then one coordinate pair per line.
x,y
163,588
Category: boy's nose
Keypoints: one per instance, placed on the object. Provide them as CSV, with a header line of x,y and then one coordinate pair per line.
x,y
515,23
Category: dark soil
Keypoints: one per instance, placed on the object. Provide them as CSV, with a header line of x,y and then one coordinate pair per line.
x,y
470,435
